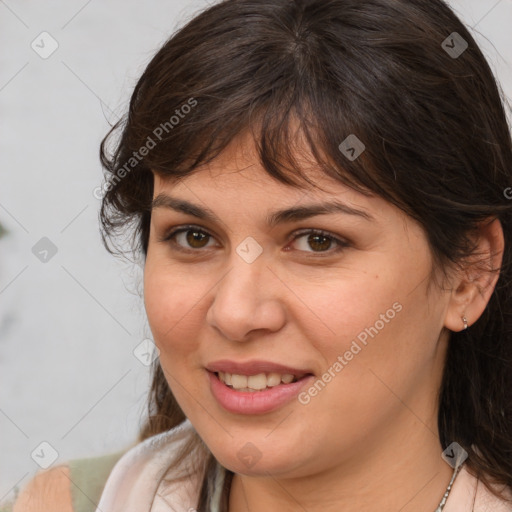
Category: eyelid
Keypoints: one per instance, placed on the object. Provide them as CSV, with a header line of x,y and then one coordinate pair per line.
x,y
181,227
168,234
339,241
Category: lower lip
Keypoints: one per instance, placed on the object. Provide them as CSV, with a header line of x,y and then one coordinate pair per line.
x,y
257,402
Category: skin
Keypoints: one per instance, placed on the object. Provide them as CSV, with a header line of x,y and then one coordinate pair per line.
x,y
369,440
48,490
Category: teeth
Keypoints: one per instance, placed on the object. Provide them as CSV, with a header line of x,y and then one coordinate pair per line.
x,y
239,381
255,382
273,379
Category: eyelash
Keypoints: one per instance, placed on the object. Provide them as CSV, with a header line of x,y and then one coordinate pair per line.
x,y
183,229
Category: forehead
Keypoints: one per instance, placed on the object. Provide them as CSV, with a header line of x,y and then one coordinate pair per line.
x,y
250,191
238,173
236,183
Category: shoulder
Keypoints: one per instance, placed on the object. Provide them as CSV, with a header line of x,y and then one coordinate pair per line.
x,y
48,490
75,486
486,501
155,468
469,494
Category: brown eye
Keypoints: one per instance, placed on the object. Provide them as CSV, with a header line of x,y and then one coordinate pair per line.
x,y
314,241
188,238
196,239
319,242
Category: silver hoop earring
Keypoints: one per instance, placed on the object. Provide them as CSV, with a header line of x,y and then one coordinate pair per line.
x,y
465,322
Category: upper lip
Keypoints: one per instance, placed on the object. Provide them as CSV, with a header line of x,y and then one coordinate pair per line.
x,y
254,368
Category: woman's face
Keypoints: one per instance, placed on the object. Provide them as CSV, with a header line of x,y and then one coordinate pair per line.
x,y
249,292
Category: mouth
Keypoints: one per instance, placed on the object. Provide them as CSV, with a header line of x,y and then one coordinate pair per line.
x,y
258,382
258,393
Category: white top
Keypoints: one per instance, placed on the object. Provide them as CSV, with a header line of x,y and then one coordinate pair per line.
x,y
137,484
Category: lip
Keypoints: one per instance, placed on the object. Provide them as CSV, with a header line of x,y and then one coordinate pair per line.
x,y
254,367
257,402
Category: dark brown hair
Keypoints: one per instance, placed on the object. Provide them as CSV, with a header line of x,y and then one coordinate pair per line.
x,y
437,142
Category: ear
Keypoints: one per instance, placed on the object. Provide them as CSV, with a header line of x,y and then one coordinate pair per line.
x,y
474,283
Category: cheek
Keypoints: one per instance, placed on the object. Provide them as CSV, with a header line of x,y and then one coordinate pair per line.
x,y
338,311
172,303
383,346
369,325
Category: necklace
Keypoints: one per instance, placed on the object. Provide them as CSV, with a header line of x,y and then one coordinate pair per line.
x,y
441,505
221,473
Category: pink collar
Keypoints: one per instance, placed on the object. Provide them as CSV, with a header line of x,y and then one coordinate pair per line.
x,y
470,495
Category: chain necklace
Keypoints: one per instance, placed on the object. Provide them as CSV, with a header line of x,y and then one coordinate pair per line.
x,y
441,505
221,473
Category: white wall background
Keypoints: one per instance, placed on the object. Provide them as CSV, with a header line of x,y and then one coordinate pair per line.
x,y
68,326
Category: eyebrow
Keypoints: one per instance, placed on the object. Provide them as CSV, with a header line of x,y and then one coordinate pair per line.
x,y
274,218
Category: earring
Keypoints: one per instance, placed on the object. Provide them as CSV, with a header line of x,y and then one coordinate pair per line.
x,y
465,322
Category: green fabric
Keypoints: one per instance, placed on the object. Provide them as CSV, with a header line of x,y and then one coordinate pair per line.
x,y
88,478
6,506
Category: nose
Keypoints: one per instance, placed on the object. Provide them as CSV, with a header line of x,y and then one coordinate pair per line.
x,y
247,299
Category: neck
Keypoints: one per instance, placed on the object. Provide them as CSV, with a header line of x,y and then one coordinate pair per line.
x,y
404,473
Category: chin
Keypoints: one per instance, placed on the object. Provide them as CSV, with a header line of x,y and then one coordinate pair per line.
x,y
249,460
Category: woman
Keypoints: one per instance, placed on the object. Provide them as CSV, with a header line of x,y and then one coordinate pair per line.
x,y
318,192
